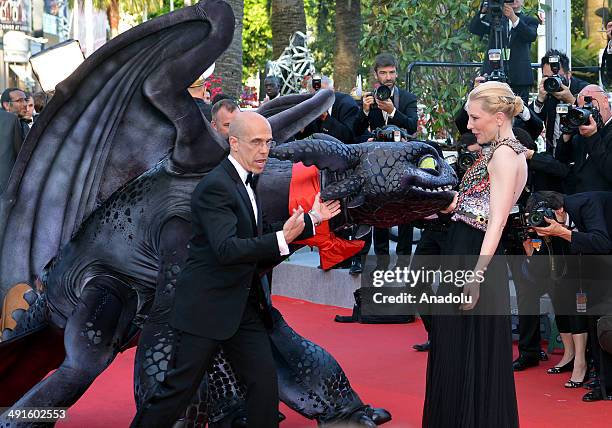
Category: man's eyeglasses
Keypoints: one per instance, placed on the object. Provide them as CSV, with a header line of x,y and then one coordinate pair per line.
x,y
18,100
260,144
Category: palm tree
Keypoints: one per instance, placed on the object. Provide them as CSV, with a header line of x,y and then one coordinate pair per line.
x,y
346,52
133,7
592,24
286,17
229,65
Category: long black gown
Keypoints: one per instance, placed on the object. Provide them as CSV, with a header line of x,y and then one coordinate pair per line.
x,y
470,380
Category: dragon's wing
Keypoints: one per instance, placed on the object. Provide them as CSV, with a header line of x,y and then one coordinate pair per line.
x,y
118,114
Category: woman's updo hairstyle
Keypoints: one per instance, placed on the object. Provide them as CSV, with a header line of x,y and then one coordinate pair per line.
x,y
497,96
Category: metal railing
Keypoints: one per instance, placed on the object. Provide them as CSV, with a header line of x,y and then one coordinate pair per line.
x,y
413,65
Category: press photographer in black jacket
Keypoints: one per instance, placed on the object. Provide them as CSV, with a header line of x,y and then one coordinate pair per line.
x,y
518,32
582,162
546,103
584,222
399,110
339,121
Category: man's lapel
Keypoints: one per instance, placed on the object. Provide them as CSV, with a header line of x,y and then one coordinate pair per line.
x,y
227,165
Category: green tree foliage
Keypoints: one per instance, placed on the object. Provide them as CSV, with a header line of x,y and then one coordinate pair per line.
x,y
438,32
256,37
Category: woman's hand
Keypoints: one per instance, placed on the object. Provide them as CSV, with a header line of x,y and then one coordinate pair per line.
x,y
452,205
472,291
327,209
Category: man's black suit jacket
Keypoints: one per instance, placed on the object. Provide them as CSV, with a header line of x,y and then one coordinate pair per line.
x,y
591,212
405,115
10,143
222,267
590,159
340,124
518,41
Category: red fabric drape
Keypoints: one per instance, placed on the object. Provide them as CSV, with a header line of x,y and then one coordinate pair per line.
x,y
304,186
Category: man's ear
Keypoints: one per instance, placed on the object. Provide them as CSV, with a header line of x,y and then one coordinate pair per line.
x,y
233,141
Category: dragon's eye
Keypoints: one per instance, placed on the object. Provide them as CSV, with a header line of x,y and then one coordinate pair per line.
x,y
428,162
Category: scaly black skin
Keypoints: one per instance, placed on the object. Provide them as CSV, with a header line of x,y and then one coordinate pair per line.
x,y
121,266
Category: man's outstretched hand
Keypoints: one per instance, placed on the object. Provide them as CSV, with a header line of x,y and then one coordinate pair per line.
x,y
294,226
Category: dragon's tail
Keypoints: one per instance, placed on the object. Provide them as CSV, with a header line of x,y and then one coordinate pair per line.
x,y
30,347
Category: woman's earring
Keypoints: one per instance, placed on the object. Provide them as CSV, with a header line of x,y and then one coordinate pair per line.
x,y
498,131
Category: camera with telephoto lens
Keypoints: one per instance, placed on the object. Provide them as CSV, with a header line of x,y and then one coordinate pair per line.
x,y
572,117
316,82
553,83
497,74
381,93
390,133
536,218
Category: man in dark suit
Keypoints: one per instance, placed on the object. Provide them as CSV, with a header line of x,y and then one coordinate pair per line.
x,y
339,120
518,31
220,298
10,143
546,103
15,101
400,110
584,220
583,163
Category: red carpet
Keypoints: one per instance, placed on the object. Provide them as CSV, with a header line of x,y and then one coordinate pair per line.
x,y
382,367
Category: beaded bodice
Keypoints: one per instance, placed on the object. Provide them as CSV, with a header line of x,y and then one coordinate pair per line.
x,y
475,188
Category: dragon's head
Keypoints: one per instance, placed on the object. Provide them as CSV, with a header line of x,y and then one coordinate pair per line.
x,y
382,183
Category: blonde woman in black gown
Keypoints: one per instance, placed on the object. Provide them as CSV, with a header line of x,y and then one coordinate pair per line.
x,y
470,381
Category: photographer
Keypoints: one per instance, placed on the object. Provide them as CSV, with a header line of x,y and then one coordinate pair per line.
x,y
583,161
381,106
339,120
518,31
584,222
555,66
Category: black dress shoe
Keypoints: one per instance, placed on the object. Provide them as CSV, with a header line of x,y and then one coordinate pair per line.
x,y
422,347
523,362
596,395
378,415
543,356
592,384
356,267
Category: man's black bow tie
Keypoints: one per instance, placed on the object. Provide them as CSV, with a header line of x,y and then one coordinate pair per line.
x,y
251,180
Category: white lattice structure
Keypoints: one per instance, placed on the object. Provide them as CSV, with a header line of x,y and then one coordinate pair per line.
x,y
295,62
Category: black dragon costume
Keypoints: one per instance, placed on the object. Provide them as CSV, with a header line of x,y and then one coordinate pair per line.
x,y
94,223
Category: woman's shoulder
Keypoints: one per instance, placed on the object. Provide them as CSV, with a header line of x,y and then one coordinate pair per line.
x,y
511,143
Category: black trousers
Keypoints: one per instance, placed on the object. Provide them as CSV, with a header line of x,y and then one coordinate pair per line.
x,y
249,352
381,241
603,360
528,295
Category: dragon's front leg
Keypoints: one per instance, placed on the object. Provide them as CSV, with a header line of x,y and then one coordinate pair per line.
x,y
92,338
